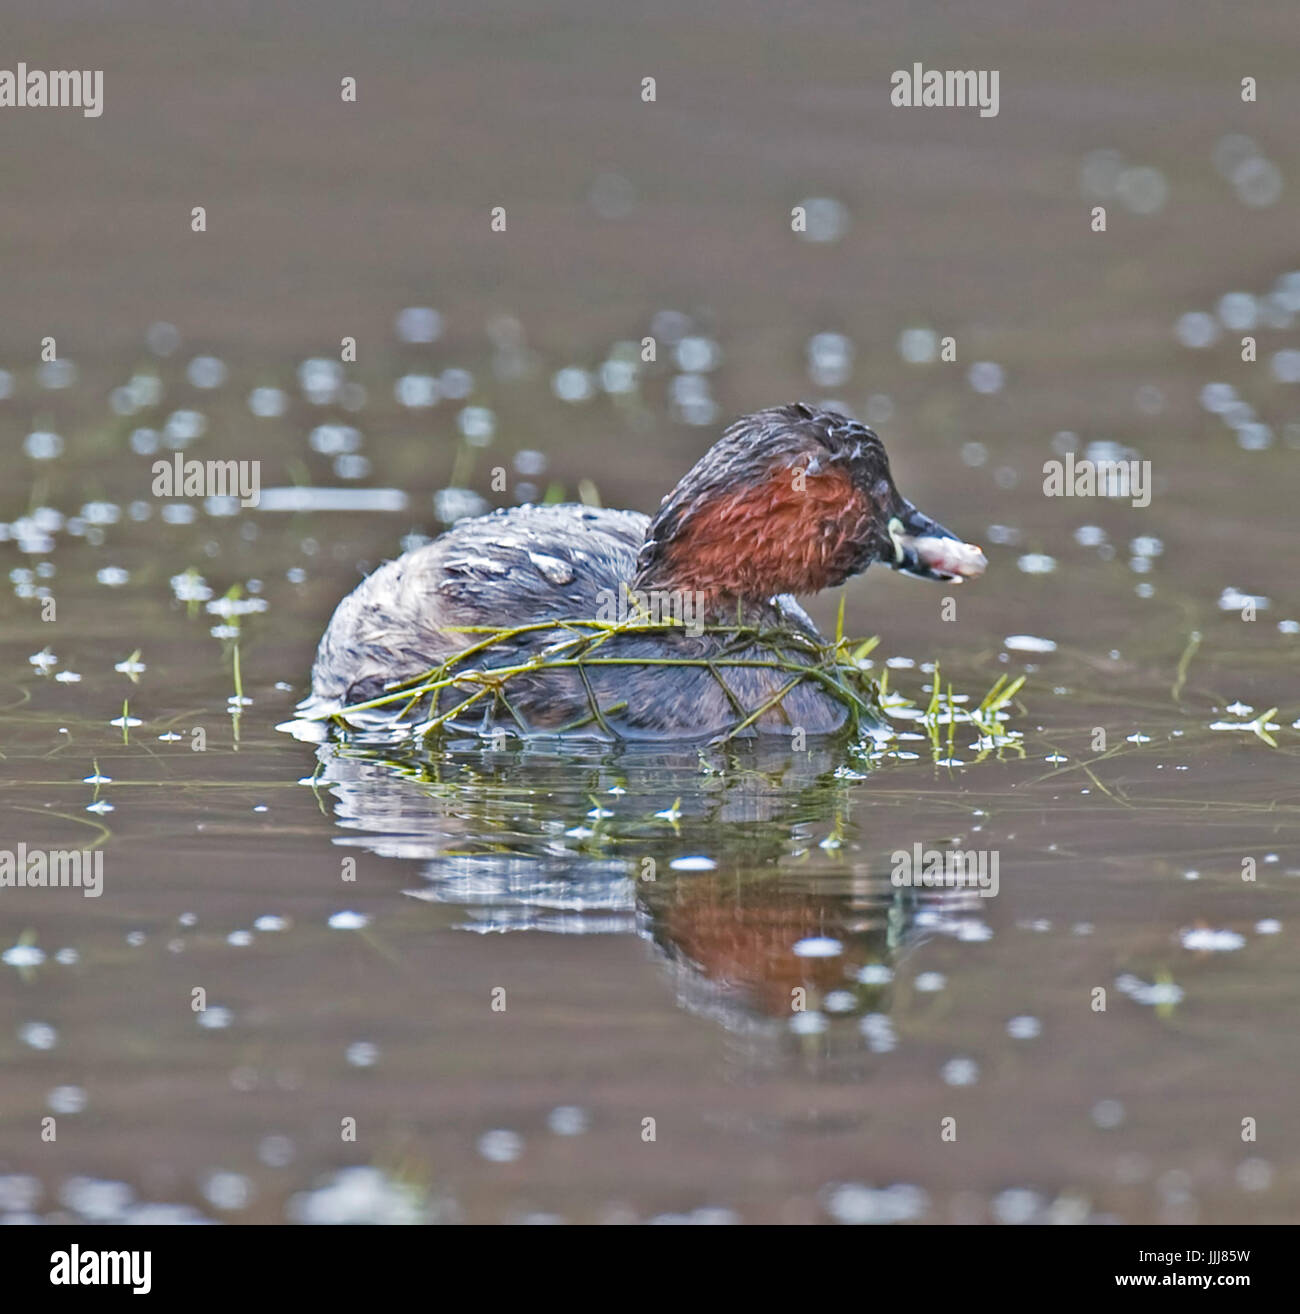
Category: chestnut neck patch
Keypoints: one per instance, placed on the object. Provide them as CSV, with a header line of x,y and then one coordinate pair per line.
x,y
791,532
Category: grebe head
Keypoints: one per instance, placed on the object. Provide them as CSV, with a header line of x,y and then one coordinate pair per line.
x,y
793,500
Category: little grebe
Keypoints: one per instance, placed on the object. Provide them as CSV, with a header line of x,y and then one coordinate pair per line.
x,y
790,500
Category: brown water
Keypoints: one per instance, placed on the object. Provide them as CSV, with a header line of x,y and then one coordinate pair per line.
x,y
525,871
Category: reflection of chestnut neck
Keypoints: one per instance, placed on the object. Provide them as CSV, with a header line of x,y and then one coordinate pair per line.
x,y
748,941
792,532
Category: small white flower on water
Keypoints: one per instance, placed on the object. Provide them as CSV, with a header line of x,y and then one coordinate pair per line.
x,y
875,974
348,921
961,1072
1208,941
817,946
23,955
500,1146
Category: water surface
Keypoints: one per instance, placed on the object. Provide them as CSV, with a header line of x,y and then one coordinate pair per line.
x,y
501,962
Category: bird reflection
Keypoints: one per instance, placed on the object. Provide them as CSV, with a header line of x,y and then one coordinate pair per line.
x,y
727,861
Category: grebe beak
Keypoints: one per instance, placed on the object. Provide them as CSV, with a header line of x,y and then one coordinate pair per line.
x,y
925,549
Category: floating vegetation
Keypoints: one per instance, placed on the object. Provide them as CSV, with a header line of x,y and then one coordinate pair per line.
x,y
470,681
835,667
1262,726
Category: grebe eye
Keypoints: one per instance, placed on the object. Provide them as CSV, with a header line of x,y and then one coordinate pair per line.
x,y
895,533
